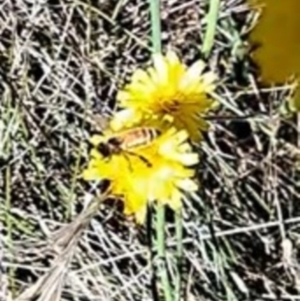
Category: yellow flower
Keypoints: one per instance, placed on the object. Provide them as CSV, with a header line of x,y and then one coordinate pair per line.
x,y
163,175
168,93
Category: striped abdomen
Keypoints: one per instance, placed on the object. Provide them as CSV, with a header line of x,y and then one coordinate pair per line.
x,y
137,137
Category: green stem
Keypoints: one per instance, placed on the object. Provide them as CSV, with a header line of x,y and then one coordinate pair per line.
x,y
212,19
155,25
179,253
160,212
161,252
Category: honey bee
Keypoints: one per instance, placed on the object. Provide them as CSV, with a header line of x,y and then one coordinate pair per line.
x,y
125,141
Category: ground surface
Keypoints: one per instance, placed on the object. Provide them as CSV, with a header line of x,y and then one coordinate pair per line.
x,y
64,60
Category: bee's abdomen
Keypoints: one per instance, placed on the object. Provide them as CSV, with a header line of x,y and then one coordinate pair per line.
x,y
139,137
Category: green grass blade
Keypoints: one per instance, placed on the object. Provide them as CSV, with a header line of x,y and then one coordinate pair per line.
x,y
212,18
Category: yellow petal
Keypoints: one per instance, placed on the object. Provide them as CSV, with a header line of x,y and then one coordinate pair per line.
x,y
124,119
91,174
181,136
96,139
168,118
176,199
140,76
192,75
209,80
123,96
172,57
140,215
196,69
161,67
96,155
185,159
187,185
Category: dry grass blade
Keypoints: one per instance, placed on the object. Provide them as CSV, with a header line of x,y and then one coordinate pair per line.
x,y
64,242
49,286
3,284
67,235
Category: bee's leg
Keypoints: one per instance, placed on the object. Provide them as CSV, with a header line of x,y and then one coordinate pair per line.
x,y
146,161
128,160
141,158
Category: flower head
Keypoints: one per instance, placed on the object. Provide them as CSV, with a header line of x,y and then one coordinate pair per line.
x,y
168,93
164,178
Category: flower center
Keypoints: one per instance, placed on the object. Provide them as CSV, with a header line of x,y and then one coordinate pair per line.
x,y
170,106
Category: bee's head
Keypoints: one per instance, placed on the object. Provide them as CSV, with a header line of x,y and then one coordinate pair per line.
x,y
115,141
104,149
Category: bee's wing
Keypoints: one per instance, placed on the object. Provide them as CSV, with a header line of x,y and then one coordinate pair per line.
x,y
100,122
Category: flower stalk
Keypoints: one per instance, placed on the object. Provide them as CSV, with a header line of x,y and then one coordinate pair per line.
x,y
160,209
